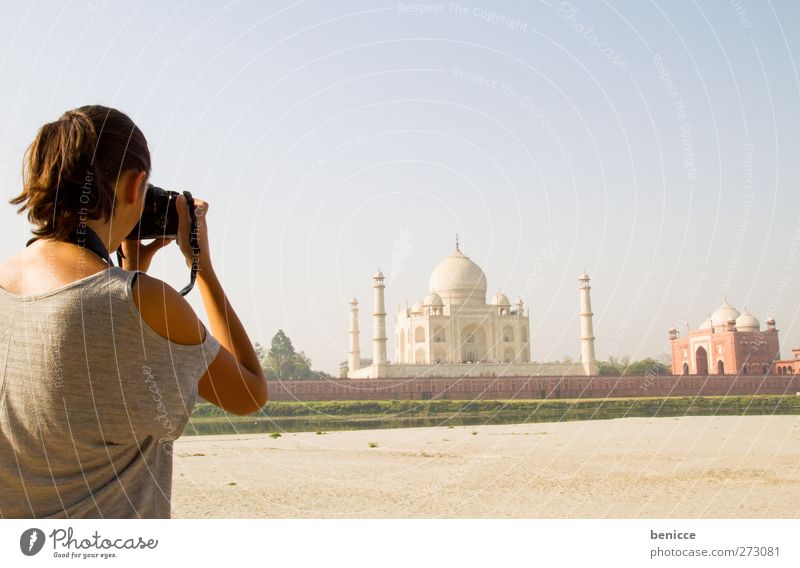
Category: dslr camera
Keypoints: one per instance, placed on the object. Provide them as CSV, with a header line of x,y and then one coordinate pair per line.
x,y
159,215
160,219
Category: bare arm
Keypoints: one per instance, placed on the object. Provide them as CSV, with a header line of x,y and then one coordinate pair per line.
x,y
234,380
243,390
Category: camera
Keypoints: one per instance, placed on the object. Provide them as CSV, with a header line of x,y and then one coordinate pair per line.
x,y
160,219
159,215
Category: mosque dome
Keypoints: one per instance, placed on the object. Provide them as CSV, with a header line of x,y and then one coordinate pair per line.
x,y
500,300
747,322
417,307
459,280
705,325
433,299
724,313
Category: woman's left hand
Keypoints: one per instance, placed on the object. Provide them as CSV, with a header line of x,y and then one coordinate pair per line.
x,y
138,256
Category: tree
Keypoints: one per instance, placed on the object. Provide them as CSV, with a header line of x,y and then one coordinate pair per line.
x,y
281,355
646,366
284,363
301,367
617,367
609,368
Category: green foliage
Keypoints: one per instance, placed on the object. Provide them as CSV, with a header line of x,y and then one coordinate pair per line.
x,y
647,367
620,367
392,409
609,368
282,362
275,435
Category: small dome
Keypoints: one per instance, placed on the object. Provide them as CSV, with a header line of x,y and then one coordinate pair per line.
x,y
747,322
417,307
433,299
723,314
378,275
583,276
500,300
705,325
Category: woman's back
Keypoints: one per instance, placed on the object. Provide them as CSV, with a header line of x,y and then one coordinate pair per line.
x,y
94,386
91,398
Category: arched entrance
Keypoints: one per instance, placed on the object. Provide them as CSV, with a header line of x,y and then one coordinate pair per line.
x,y
686,368
701,361
473,348
720,367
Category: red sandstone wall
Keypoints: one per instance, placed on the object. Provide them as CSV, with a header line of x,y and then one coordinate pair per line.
x,y
757,349
532,388
678,345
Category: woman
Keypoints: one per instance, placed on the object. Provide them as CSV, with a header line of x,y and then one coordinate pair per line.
x,y
100,366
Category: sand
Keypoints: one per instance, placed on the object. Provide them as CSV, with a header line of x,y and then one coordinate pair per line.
x,y
688,467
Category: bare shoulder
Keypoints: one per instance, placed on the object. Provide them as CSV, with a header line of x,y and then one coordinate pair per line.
x,y
5,272
166,311
9,274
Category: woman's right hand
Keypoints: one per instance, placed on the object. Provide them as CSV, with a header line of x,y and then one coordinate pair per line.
x,y
184,228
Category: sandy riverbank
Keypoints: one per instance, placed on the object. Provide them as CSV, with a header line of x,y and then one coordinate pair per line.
x,y
715,467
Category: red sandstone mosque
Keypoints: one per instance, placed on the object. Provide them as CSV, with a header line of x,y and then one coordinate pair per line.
x,y
731,342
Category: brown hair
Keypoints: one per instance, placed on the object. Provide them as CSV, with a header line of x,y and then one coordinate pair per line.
x,y
70,171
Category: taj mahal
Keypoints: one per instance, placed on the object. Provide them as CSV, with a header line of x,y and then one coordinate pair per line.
x,y
454,332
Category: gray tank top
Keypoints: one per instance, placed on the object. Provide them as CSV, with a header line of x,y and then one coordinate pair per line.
x,y
91,399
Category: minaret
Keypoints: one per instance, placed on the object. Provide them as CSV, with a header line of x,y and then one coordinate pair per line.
x,y
587,332
354,361
379,323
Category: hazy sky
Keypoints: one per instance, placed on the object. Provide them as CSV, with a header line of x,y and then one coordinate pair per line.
x,y
653,144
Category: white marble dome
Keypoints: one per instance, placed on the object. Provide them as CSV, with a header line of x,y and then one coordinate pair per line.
x,y
747,322
459,280
500,300
705,325
724,313
433,299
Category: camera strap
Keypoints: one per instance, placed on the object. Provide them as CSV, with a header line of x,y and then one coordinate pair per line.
x,y
92,242
194,243
88,240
